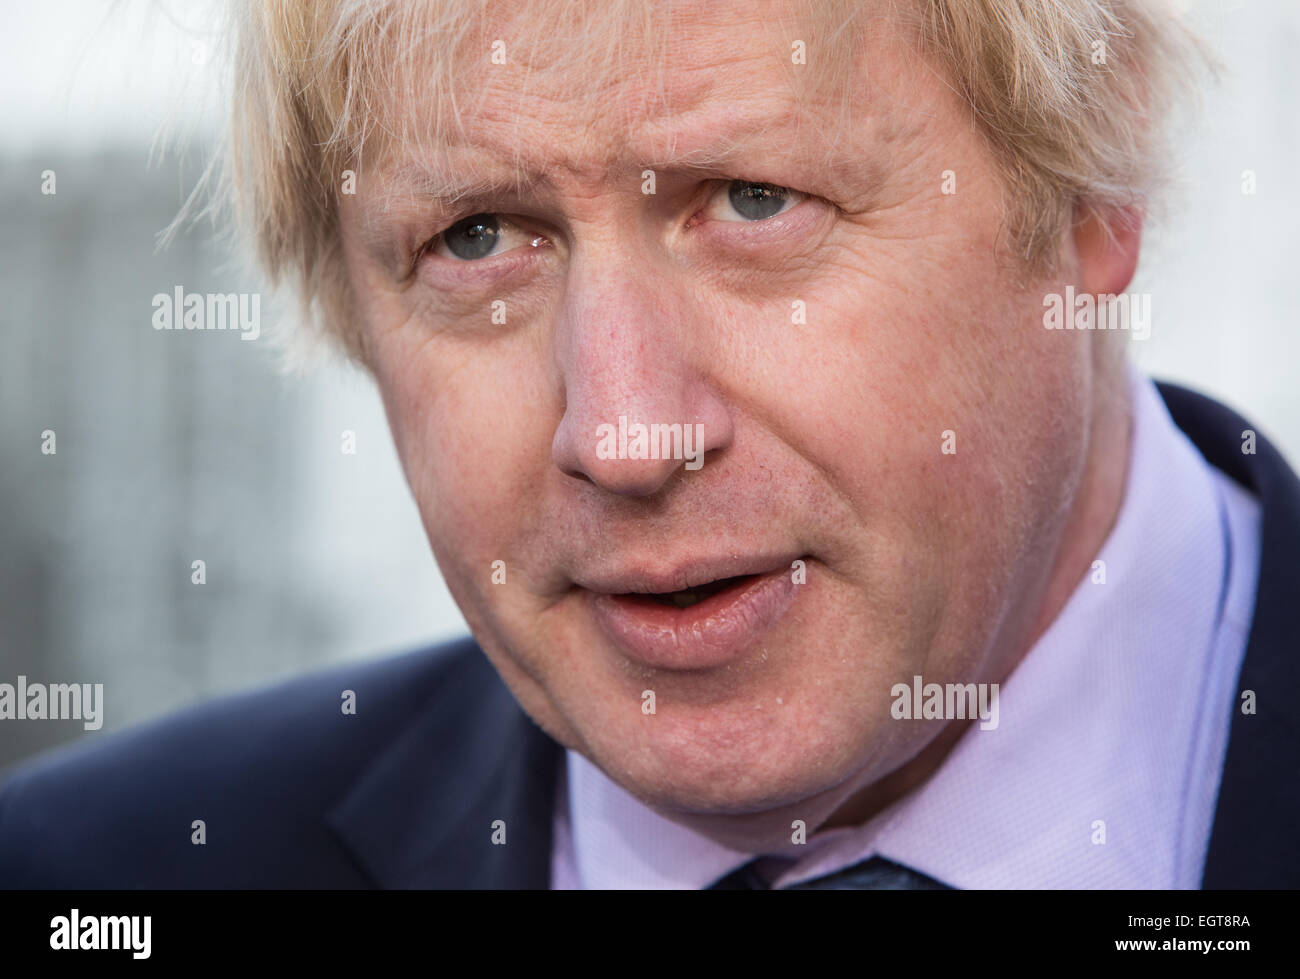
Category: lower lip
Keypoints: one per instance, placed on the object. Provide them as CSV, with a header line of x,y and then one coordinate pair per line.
x,y
707,634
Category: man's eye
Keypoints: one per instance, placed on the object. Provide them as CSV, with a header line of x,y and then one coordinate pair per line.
x,y
746,200
480,236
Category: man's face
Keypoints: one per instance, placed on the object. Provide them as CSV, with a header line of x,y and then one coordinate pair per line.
x,y
831,343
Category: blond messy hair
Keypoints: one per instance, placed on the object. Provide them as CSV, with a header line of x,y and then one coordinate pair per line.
x,y
315,82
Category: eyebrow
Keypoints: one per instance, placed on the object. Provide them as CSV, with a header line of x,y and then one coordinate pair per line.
x,y
449,188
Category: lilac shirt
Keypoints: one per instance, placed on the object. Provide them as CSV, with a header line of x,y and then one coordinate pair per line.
x,y
1119,714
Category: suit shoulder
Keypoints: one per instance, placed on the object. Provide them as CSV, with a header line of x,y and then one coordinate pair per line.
x,y
259,768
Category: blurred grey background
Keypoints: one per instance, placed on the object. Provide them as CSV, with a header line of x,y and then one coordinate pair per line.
x,y
176,447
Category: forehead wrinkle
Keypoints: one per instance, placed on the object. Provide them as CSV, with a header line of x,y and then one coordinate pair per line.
x,y
510,149
662,67
492,176
701,121
705,141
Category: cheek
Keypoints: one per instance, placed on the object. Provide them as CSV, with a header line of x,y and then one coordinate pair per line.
x,y
452,412
472,434
907,378
952,421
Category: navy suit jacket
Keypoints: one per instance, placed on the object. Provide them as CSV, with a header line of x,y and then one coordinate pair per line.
x,y
294,793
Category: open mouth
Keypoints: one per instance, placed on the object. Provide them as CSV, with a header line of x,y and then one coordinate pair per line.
x,y
700,627
693,596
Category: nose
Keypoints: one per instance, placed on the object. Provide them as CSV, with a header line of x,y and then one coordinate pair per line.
x,y
633,353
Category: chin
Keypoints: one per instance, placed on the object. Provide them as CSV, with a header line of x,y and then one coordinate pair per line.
x,y
711,762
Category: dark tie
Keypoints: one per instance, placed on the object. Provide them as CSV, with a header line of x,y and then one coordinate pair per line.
x,y
874,874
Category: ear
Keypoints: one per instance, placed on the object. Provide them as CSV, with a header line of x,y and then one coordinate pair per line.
x,y
1106,246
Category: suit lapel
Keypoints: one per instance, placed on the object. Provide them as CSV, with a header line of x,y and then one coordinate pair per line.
x,y
424,813
1254,840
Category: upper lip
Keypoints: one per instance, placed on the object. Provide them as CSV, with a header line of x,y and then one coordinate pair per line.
x,y
679,576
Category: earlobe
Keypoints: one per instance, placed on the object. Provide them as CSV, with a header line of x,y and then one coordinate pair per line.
x,y
1106,244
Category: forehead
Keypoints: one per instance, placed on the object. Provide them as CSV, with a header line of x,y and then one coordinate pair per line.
x,y
646,86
